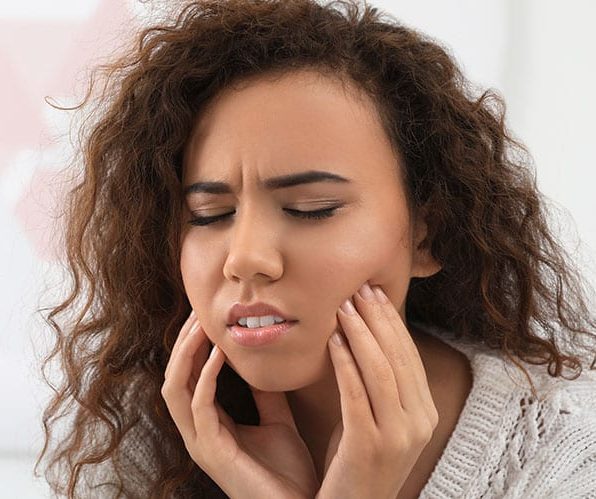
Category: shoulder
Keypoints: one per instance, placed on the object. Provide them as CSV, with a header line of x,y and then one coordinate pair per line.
x,y
543,443
565,440
492,367
550,435
512,441
132,465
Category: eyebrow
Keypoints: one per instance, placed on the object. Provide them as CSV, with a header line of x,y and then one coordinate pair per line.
x,y
272,183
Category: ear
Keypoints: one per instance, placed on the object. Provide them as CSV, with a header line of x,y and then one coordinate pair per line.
x,y
423,263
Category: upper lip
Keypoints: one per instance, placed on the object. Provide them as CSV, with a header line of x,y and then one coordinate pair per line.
x,y
254,310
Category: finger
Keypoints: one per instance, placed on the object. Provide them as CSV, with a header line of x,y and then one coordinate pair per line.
x,y
175,390
376,370
184,330
404,357
355,404
198,362
400,329
206,412
393,348
200,359
182,337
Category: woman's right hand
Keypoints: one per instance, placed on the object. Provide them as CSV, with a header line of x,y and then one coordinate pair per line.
x,y
269,460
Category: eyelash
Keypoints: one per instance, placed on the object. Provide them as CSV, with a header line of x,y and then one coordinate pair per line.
x,y
316,214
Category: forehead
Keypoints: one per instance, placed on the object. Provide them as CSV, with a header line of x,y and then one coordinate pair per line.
x,y
301,120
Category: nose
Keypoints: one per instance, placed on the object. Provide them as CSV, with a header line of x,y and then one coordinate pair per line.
x,y
253,248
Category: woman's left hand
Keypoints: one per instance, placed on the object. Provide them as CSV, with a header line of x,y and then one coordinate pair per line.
x,y
388,414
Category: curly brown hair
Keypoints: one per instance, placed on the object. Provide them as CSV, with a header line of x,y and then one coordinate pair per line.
x,y
505,281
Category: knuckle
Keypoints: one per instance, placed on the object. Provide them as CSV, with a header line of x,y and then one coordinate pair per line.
x,y
400,358
398,355
434,417
165,390
356,393
422,435
195,405
383,372
196,454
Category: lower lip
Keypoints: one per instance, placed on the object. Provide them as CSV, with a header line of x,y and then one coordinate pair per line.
x,y
253,337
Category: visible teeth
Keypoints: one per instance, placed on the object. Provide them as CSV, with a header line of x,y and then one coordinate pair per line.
x,y
265,320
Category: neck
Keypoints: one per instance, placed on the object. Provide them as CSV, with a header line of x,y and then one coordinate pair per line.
x,y
317,410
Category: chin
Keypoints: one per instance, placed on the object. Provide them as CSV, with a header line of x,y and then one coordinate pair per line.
x,y
289,376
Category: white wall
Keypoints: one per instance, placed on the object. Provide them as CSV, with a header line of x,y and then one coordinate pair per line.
x,y
538,54
549,81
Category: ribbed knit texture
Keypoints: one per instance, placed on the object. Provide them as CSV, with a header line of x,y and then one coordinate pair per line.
x,y
506,443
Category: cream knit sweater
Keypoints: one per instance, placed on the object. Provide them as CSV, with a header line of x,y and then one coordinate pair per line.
x,y
506,444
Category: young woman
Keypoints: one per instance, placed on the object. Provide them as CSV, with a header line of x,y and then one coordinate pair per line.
x,y
313,264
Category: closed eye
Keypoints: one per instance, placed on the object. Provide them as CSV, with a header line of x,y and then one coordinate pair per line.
x,y
317,214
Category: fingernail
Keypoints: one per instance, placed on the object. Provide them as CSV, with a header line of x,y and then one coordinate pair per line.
x,y
194,328
213,351
381,296
348,308
336,338
192,313
366,293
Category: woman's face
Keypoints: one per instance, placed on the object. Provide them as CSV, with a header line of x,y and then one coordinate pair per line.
x,y
261,252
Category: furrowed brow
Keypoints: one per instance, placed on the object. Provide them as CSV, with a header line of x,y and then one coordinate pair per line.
x,y
280,182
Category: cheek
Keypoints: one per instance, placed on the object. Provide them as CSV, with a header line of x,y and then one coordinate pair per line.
x,y
198,257
188,266
372,252
200,283
195,269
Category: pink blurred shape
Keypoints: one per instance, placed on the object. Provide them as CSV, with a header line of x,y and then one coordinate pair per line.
x,y
38,212
53,59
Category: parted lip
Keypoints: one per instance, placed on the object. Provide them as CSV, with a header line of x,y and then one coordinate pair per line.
x,y
252,310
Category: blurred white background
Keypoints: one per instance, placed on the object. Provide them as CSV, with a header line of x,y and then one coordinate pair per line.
x,y
537,53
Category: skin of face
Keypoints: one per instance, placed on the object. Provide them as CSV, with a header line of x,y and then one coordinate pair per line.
x,y
306,268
